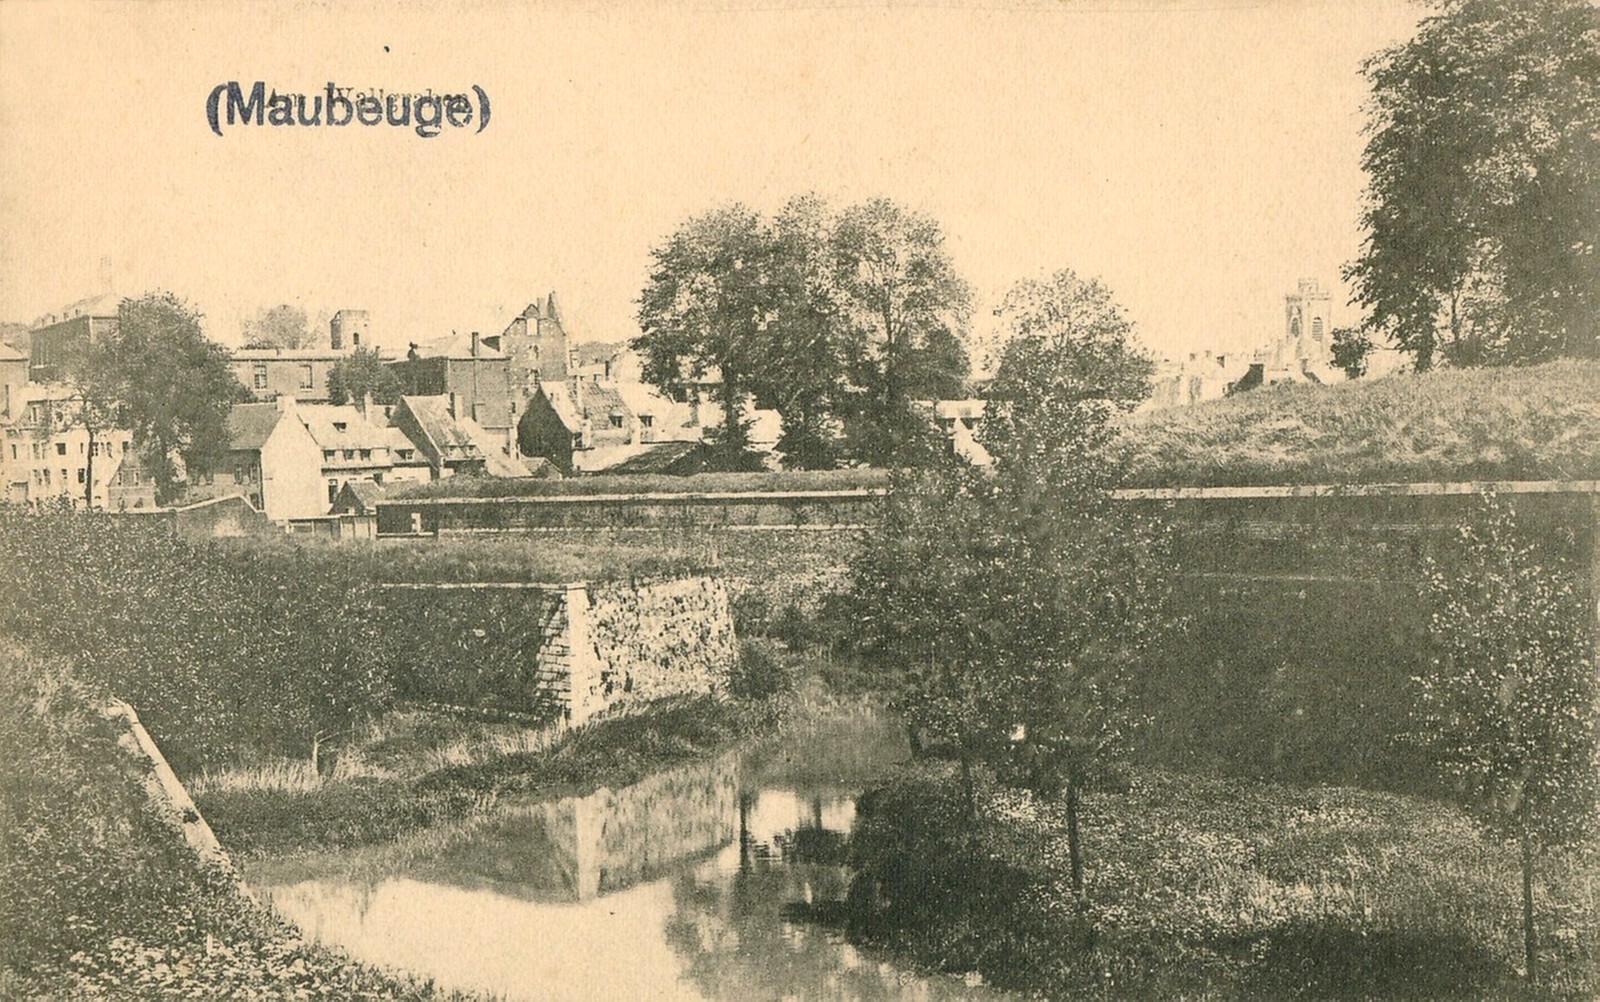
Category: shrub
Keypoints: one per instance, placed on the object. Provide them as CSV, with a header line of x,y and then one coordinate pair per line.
x,y
761,671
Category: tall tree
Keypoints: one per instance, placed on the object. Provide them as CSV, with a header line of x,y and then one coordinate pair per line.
x,y
281,326
1011,607
803,346
705,310
907,312
1508,706
1483,195
359,373
172,387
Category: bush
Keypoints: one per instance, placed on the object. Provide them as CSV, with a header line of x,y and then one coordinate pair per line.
x,y
761,671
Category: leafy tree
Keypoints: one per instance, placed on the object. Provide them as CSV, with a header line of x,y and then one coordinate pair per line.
x,y
1483,198
907,312
281,326
359,373
1351,346
172,387
1010,607
705,309
802,375
1508,708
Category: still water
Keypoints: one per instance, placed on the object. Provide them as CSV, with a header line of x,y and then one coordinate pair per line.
x,y
711,881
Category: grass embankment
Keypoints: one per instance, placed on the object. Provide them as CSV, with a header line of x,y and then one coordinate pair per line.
x,y
99,894
1209,889
1535,423
415,770
786,480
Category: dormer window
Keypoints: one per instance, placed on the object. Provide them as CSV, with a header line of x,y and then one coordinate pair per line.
x,y
341,425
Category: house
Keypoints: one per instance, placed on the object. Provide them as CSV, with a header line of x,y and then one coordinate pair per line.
x,y
359,497
353,445
446,442
56,336
476,376
269,373
272,460
535,346
49,450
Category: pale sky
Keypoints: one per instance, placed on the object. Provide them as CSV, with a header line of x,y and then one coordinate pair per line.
x,y
1200,156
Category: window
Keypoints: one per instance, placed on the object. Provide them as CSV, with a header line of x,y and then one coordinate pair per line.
x,y
80,474
47,476
306,380
261,377
1316,328
340,425
403,453
647,420
327,455
616,420
366,453
61,448
349,453
333,490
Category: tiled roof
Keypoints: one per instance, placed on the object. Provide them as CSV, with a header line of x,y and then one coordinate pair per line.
x,y
250,425
342,426
449,437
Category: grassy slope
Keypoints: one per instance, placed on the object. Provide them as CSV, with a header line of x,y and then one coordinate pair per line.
x,y
100,897
1534,423
1209,889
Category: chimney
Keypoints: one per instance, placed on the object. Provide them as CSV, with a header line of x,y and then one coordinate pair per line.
x,y
365,404
450,406
475,342
550,310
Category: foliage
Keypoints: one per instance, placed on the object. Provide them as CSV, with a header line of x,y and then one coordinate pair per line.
x,y
762,671
1509,706
1526,423
839,321
359,373
703,311
281,326
172,386
1351,346
1011,606
908,312
1483,197
1210,888
218,651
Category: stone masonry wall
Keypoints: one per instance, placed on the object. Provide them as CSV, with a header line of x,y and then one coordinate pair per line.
x,y
638,641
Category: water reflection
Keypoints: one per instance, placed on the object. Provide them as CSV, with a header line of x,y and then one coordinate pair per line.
x,y
710,881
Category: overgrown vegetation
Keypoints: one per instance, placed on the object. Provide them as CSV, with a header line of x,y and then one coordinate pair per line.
x,y
1214,889
428,769
1535,423
1508,705
99,894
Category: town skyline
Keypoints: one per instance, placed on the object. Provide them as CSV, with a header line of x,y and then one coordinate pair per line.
x,y
1200,160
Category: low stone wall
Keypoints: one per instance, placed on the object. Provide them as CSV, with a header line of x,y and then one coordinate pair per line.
x,y
567,651
742,509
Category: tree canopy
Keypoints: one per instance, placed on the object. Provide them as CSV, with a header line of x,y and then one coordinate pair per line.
x,y
1482,209
172,386
1007,608
281,326
840,321
1508,706
359,373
